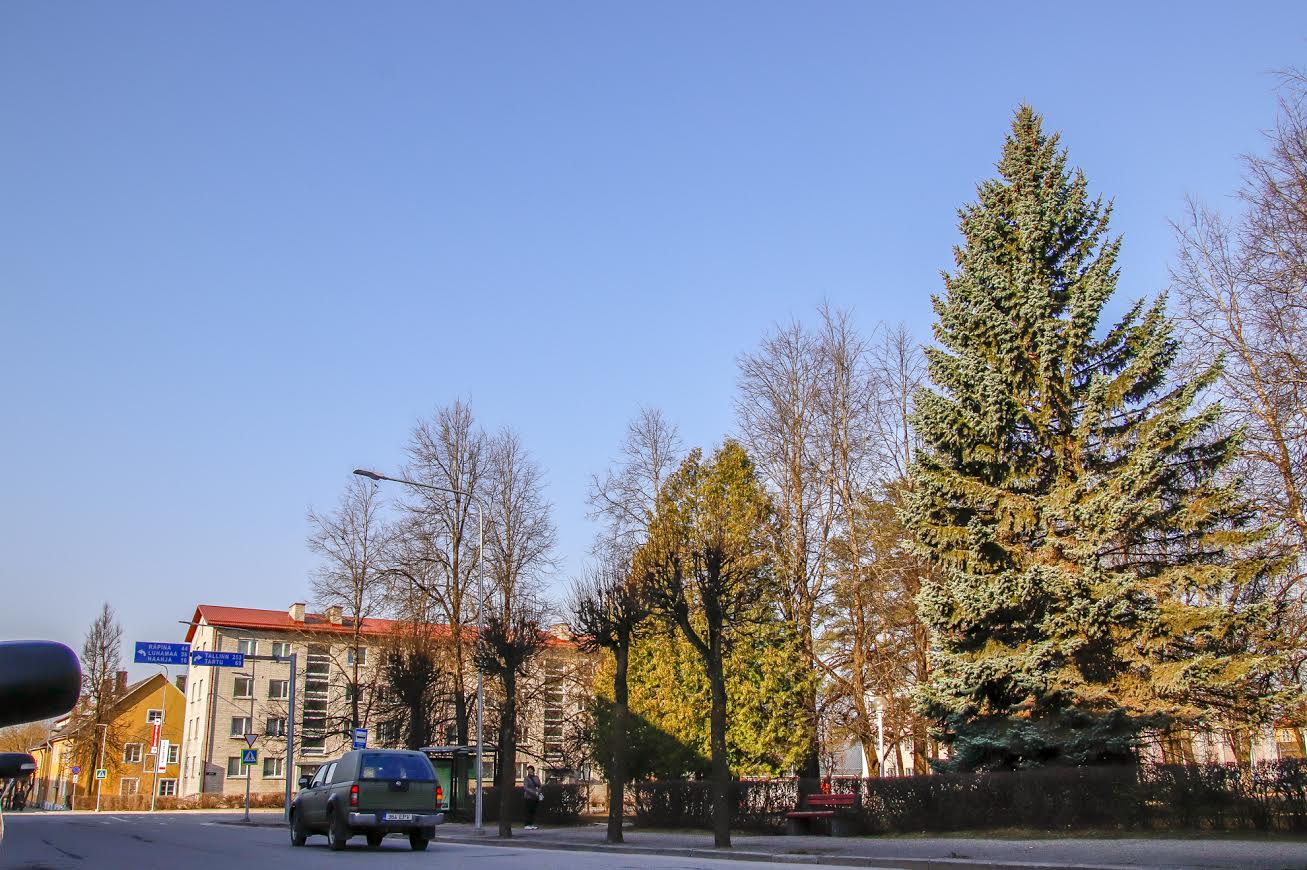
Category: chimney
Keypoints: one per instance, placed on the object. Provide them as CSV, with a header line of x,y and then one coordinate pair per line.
x,y
333,614
181,683
297,611
120,685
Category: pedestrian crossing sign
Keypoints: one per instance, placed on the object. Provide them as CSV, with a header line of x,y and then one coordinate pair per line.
x,y
249,756
101,772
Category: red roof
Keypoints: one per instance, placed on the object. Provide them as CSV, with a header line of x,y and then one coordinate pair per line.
x,y
279,620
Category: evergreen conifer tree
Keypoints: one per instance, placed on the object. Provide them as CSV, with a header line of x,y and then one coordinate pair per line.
x,y
1099,575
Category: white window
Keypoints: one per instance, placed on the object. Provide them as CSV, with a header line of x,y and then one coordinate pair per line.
x,y
240,726
128,786
280,649
274,767
276,726
313,745
278,690
247,646
244,687
167,787
174,752
152,716
361,654
235,769
187,771
132,754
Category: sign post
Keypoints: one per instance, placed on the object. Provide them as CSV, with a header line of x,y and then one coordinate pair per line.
x,y
249,757
101,772
360,738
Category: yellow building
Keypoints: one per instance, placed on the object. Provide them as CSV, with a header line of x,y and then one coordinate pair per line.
x,y
65,776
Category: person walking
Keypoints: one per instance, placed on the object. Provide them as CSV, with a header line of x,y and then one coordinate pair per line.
x,y
532,791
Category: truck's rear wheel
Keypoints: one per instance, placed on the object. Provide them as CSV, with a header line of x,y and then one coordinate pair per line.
x,y
337,832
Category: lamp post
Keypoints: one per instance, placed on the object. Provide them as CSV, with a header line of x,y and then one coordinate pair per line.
x,y
481,606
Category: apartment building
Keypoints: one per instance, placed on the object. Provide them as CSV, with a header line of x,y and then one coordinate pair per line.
x,y
223,705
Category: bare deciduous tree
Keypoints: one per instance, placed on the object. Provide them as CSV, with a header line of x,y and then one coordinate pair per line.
x,y
780,412
101,662
1241,284
520,540
507,646
437,553
608,607
624,497
351,542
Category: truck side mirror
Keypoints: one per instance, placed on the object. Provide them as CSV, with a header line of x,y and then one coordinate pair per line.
x,y
305,781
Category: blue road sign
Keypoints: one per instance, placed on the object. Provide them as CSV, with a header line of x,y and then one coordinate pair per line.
x,y
207,659
150,653
360,738
77,769
249,756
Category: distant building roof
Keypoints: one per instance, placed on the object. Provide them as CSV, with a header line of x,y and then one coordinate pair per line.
x,y
281,620
296,619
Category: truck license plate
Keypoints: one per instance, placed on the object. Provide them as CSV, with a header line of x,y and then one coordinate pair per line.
x,y
400,817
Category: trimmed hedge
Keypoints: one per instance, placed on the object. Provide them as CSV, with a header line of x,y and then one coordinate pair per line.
x,y
119,803
1270,796
562,804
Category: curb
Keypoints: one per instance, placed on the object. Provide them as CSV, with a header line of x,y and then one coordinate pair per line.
x,y
782,857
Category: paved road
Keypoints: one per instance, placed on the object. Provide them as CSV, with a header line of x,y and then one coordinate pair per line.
x,y
195,841
209,841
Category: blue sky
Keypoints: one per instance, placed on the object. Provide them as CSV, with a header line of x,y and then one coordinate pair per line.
x,y
244,248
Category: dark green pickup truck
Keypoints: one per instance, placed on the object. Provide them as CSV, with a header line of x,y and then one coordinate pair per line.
x,y
369,791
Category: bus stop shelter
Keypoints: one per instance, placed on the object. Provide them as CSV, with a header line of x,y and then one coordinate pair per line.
x,y
456,769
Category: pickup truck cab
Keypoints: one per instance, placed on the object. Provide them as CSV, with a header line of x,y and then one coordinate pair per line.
x,y
369,791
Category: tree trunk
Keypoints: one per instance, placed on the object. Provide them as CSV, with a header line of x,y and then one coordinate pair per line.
x,y
617,772
460,714
508,753
920,748
810,765
721,771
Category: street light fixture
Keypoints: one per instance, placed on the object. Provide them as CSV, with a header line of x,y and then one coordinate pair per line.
x,y
481,606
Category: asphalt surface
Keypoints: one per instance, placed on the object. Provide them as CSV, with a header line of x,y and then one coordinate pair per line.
x,y
217,841
201,841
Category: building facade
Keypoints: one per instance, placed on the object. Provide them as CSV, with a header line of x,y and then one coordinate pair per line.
x,y
337,669
133,762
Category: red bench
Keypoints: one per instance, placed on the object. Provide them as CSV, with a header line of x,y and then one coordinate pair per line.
x,y
833,813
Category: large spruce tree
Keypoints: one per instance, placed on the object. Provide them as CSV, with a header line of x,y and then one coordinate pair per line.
x,y
1098,574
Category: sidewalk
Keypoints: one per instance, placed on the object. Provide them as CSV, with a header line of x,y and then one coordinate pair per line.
x,y
921,853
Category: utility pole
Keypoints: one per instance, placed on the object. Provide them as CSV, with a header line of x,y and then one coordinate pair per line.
x,y
290,735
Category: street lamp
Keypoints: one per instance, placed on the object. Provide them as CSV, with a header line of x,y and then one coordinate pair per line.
x,y
481,605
